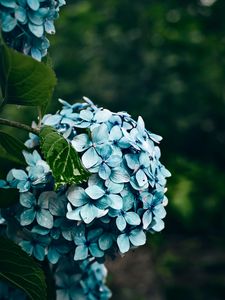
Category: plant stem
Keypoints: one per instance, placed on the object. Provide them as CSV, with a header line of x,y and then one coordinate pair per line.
x,y
19,125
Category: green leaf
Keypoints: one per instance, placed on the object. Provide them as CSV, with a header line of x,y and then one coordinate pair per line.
x,y
11,148
19,269
23,80
8,197
62,158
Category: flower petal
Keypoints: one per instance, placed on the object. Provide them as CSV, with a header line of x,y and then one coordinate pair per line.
x,y
104,171
77,196
44,218
100,134
132,218
116,201
141,178
121,223
88,213
123,243
147,218
81,252
95,251
105,241
94,192
27,199
119,175
81,142
102,115
137,237
90,158
27,217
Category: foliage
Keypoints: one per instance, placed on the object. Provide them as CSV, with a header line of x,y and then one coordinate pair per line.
x,y
24,81
62,158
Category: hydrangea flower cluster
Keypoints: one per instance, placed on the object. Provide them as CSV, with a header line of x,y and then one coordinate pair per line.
x,y
123,199
25,22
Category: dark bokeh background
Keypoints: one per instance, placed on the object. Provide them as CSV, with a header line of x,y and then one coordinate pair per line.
x,y
163,60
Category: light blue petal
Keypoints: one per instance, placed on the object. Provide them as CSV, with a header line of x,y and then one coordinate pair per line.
x,y
115,133
144,159
90,158
102,115
147,219
105,241
27,199
132,161
33,4
23,186
37,30
44,218
74,214
53,120
158,225
119,175
95,251
19,174
132,218
105,152
104,171
36,53
88,213
114,160
141,177
77,196
116,201
94,192
81,252
81,142
114,188
86,115
121,223
137,237
49,26
159,211
100,134
123,243
27,217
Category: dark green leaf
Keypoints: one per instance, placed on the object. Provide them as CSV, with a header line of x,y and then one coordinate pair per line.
x,y
11,148
19,269
8,197
62,158
25,81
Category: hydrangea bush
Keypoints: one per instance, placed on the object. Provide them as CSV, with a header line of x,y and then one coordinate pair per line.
x,y
25,22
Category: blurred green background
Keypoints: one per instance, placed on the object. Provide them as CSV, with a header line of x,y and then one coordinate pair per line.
x,y
163,60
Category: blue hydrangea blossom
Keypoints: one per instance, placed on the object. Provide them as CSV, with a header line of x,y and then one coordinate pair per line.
x,y
25,22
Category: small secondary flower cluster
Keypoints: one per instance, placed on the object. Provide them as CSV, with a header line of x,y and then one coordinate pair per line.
x,y
123,199
24,23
